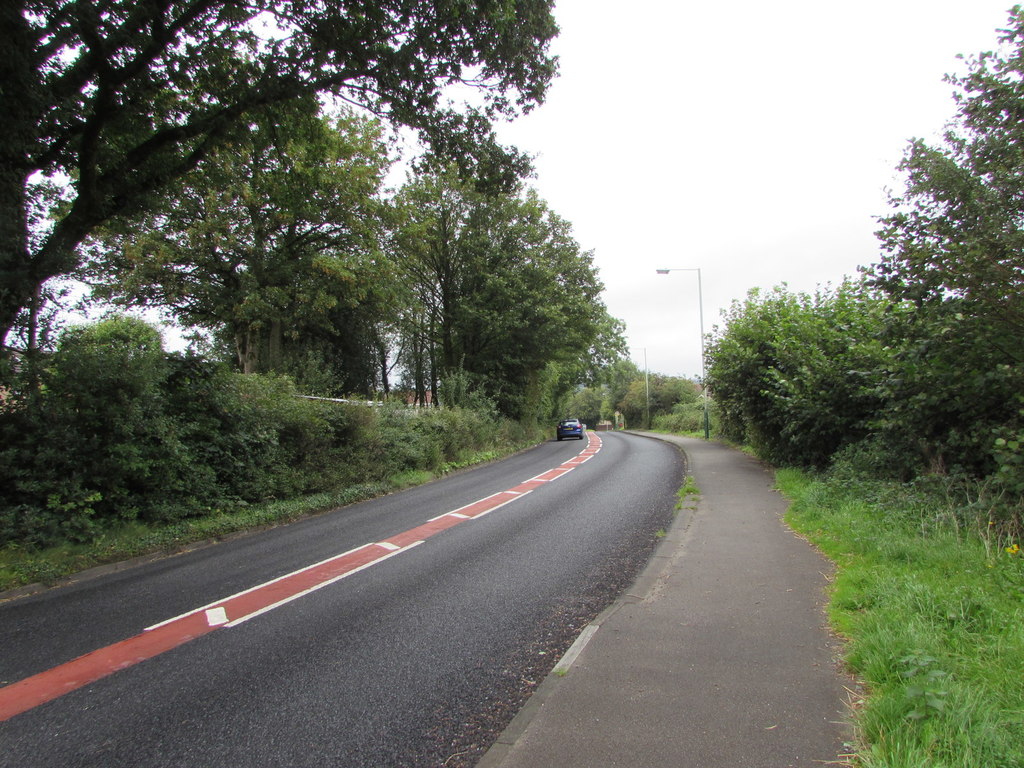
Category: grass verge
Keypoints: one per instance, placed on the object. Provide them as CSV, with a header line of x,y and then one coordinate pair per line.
x,y
934,618
20,567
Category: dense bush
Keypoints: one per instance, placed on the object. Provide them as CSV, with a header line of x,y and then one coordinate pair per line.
x,y
112,429
878,387
797,376
686,417
954,389
653,395
93,442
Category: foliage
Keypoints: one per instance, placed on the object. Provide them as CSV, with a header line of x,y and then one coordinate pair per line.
x,y
920,370
953,266
931,615
273,244
620,386
121,432
949,395
651,396
500,290
106,105
798,376
95,442
585,405
615,382
687,417
955,232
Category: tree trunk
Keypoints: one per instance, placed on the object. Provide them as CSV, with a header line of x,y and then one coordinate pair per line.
x,y
247,348
275,346
18,104
382,360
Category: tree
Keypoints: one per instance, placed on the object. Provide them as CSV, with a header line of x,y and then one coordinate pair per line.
x,y
616,380
648,396
585,405
503,292
957,231
107,102
953,266
269,241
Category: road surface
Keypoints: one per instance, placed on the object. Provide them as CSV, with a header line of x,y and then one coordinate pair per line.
x,y
403,631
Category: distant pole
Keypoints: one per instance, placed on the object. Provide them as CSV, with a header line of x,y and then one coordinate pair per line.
x,y
647,390
700,305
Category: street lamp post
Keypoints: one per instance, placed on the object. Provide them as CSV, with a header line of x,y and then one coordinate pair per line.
x,y
700,304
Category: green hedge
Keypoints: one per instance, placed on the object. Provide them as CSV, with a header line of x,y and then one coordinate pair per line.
x,y
112,429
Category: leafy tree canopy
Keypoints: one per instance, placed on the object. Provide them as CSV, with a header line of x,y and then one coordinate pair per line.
x,y
501,290
107,101
957,231
797,376
953,264
654,395
266,242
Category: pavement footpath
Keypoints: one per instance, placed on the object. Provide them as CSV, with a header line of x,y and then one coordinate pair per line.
x,y
717,657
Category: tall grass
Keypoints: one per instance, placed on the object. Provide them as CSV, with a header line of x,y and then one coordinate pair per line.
x,y
931,600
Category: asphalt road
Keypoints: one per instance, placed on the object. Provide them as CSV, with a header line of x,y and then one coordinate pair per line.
x,y
419,660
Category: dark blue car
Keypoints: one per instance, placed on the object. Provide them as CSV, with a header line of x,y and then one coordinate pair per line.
x,y
569,428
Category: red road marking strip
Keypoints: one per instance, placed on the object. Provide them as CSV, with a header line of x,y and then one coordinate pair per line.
x,y
425,531
53,683
303,582
355,557
553,474
578,460
508,498
529,485
46,686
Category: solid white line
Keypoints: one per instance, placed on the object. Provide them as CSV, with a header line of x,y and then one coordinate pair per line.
x,y
315,587
499,506
223,600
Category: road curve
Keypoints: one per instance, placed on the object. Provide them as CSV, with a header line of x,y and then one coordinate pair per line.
x,y
417,660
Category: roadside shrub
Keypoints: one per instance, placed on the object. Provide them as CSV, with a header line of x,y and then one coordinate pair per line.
x,y
118,431
797,377
93,444
399,439
685,417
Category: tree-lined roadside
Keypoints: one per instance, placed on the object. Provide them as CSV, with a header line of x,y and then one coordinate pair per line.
x,y
123,449
224,165
915,370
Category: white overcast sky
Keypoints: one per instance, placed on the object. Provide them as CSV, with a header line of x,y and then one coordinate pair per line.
x,y
752,140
